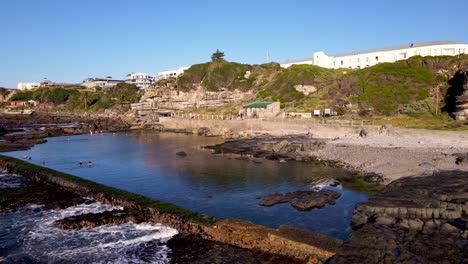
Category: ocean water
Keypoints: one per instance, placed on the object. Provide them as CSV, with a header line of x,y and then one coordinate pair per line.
x,y
216,185
29,236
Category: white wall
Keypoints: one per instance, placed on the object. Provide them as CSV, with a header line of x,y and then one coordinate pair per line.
x,y
372,58
173,73
28,86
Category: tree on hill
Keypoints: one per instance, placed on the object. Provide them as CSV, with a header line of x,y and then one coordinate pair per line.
x,y
218,55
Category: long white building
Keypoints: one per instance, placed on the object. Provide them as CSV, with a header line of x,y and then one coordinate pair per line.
x,y
362,59
171,74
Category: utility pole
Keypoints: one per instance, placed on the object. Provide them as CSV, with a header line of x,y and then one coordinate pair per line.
x,y
268,56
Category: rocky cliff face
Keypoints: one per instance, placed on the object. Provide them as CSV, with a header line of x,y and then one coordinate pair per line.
x,y
166,98
461,101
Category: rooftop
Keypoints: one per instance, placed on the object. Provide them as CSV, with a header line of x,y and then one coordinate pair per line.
x,y
298,61
258,105
407,46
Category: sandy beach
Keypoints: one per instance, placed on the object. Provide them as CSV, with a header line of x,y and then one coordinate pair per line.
x,y
395,157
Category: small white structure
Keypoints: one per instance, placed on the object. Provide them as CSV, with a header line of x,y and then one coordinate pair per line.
x,y
171,74
140,79
362,59
260,110
287,64
101,82
27,86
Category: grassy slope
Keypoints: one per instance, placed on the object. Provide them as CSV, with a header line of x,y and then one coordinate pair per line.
x,y
386,89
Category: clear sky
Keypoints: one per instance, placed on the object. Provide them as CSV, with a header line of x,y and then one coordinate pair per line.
x,y
68,41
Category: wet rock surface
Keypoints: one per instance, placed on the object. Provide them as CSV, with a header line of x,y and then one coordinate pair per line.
x,y
302,200
291,147
114,217
193,249
51,196
415,220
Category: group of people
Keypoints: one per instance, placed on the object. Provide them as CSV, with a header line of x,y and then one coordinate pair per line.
x,y
90,164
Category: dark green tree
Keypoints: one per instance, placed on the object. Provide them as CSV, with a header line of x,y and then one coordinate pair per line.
x,y
218,55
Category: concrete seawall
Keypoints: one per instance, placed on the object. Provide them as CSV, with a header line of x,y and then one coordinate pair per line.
x,y
285,240
240,128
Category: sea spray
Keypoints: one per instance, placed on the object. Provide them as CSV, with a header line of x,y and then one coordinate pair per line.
x,y
42,241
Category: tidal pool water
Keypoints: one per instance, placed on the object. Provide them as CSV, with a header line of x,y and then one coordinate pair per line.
x,y
222,186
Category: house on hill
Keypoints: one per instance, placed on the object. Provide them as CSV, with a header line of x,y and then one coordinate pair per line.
x,y
260,110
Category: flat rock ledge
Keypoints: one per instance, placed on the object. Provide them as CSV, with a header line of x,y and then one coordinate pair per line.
x,y
415,220
291,147
302,200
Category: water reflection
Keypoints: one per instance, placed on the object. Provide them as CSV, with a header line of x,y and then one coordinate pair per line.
x,y
222,186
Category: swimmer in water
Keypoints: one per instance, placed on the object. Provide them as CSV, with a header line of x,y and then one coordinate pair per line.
x,y
43,162
81,163
90,164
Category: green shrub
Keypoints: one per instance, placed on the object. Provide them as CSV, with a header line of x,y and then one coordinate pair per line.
x,y
420,107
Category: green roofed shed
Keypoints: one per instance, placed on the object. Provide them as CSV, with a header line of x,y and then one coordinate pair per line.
x,y
258,105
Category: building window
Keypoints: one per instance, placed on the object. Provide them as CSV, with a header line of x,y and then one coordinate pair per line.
x,y
367,59
341,62
358,60
377,58
333,63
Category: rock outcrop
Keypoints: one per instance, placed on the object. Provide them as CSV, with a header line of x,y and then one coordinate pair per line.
x,y
291,147
166,98
302,200
415,220
457,96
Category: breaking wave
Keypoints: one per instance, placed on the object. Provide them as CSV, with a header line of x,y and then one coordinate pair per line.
x,y
126,243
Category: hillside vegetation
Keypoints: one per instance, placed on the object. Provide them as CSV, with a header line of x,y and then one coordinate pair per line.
x,y
117,98
417,85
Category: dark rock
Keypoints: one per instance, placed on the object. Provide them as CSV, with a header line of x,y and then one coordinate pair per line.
x,y
315,200
460,158
302,200
195,250
296,147
203,131
373,177
415,220
363,133
426,165
181,154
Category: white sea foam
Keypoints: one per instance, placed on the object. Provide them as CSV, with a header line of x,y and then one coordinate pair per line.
x,y
125,243
10,180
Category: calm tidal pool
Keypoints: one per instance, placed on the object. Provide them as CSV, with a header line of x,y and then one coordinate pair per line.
x,y
221,186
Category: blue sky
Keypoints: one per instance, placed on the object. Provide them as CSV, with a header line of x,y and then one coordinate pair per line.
x,y
68,41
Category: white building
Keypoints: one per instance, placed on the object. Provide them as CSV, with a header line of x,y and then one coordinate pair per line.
x,y
362,59
171,74
101,82
27,86
141,80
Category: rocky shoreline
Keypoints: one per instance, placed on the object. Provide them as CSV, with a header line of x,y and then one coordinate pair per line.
x,y
415,220
21,131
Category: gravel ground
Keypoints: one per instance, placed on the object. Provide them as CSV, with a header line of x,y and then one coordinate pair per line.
x,y
396,157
